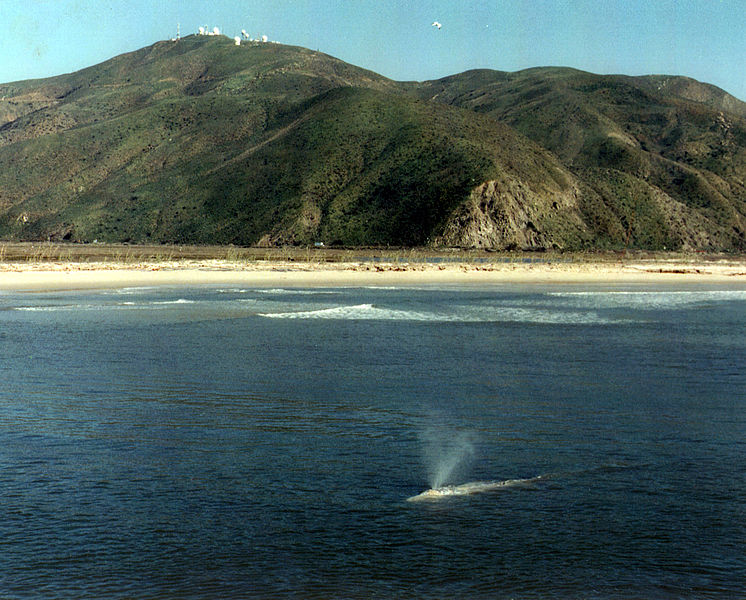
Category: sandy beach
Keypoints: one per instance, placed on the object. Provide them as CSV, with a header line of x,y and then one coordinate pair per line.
x,y
39,275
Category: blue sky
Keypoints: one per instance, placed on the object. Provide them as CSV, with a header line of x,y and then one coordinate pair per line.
x,y
703,39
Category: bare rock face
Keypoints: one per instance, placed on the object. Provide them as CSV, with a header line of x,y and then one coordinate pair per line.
x,y
507,214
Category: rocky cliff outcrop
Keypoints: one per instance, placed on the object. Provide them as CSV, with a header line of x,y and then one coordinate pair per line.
x,y
508,214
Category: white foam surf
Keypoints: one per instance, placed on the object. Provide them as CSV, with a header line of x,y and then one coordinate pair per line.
x,y
128,291
44,308
459,314
516,314
649,299
356,312
179,301
297,292
468,489
127,304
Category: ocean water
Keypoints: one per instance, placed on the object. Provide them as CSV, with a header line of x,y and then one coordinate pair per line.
x,y
208,442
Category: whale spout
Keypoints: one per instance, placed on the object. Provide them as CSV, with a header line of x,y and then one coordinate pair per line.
x,y
466,489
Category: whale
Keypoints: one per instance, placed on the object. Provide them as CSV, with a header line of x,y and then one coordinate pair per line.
x,y
467,489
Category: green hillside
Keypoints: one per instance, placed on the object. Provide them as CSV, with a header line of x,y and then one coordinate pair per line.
x,y
201,141
665,156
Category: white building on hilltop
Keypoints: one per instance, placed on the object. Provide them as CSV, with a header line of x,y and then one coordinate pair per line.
x,y
244,37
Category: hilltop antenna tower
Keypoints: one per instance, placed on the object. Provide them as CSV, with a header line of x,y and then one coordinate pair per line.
x,y
178,31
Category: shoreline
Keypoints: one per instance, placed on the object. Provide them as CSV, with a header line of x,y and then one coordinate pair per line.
x,y
70,275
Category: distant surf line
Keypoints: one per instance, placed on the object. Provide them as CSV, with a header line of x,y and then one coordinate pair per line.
x,y
499,314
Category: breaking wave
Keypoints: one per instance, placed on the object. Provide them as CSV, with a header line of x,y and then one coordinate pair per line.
x,y
47,308
128,291
358,312
103,306
649,299
459,314
179,301
514,314
296,291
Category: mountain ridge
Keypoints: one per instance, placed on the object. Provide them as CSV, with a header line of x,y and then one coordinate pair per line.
x,y
200,141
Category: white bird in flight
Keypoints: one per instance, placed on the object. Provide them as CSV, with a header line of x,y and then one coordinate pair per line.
x,y
436,24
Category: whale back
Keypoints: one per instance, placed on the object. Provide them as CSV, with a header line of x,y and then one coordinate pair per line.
x,y
466,489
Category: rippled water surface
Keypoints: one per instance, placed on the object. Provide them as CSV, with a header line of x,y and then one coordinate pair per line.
x,y
262,443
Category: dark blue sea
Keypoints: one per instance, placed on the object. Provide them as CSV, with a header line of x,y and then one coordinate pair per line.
x,y
208,442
